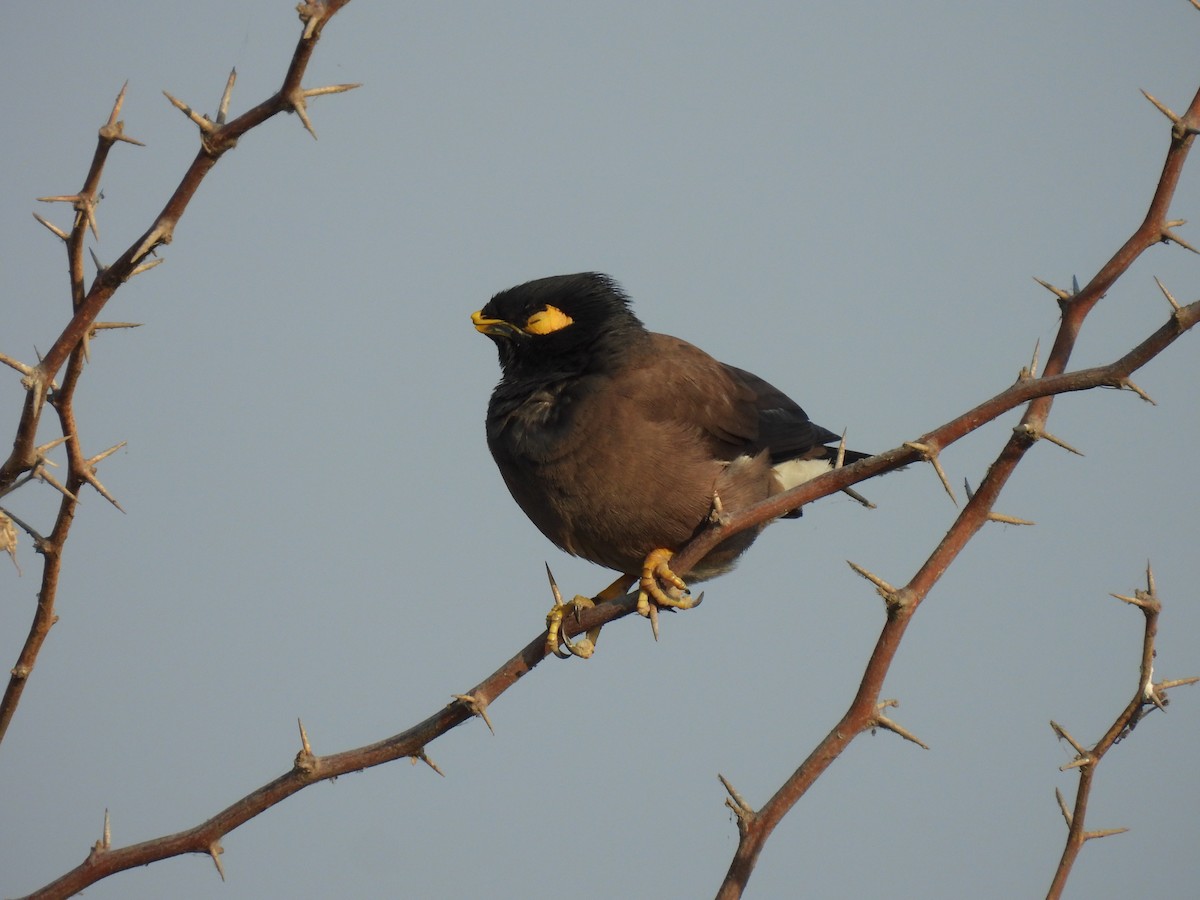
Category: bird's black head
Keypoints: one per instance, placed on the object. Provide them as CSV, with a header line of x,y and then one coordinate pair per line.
x,y
564,324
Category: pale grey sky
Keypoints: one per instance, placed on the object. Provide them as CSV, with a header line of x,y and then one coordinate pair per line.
x,y
848,199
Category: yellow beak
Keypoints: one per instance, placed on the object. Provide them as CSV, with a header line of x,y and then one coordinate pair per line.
x,y
484,325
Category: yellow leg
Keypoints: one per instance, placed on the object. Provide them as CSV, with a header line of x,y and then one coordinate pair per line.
x,y
652,596
655,570
556,638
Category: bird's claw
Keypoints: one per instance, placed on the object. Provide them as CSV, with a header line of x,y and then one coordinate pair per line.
x,y
556,638
659,588
557,641
656,572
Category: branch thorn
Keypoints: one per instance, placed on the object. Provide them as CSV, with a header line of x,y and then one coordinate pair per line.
x,y
54,228
89,473
1063,296
299,100
8,537
1082,758
205,124
1059,442
40,472
1062,806
1174,683
882,721
420,756
1161,107
145,267
312,16
890,594
1031,370
1107,832
1129,385
105,842
476,706
735,801
114,130
306,760
223,109
858,498
50,445
1136,600
1169,235
1036,434
16,364
1008,520
215,850
930,454
84,206
840,461
116,111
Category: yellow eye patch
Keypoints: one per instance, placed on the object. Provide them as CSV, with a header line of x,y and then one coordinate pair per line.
x,y
546,321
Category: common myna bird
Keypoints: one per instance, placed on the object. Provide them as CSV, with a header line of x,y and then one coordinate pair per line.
x,y
621,444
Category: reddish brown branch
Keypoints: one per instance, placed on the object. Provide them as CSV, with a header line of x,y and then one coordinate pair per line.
x,y
307,769
1111,375
70,347
756,828
863,713
215,141
1147,697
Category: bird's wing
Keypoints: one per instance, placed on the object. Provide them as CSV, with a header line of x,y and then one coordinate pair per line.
x,y
783,427
693,390
739,411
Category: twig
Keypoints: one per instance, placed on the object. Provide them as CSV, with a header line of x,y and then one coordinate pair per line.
x,y
1147,697
864,710
1075,308
70,348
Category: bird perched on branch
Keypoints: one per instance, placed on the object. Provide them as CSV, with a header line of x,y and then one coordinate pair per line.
x,y
621,444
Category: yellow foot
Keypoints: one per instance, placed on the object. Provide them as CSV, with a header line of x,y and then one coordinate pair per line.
x,y
655,573
556,638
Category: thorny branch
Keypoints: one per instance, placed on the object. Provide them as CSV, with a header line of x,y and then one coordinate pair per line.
x,y
754,826
70,349
903,602
1115,374
1147,697
865,712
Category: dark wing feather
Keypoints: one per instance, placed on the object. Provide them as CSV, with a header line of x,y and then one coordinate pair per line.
x,y
783,427
740,412
699,392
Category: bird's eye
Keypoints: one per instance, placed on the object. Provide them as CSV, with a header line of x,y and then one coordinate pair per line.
x,y
547,320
